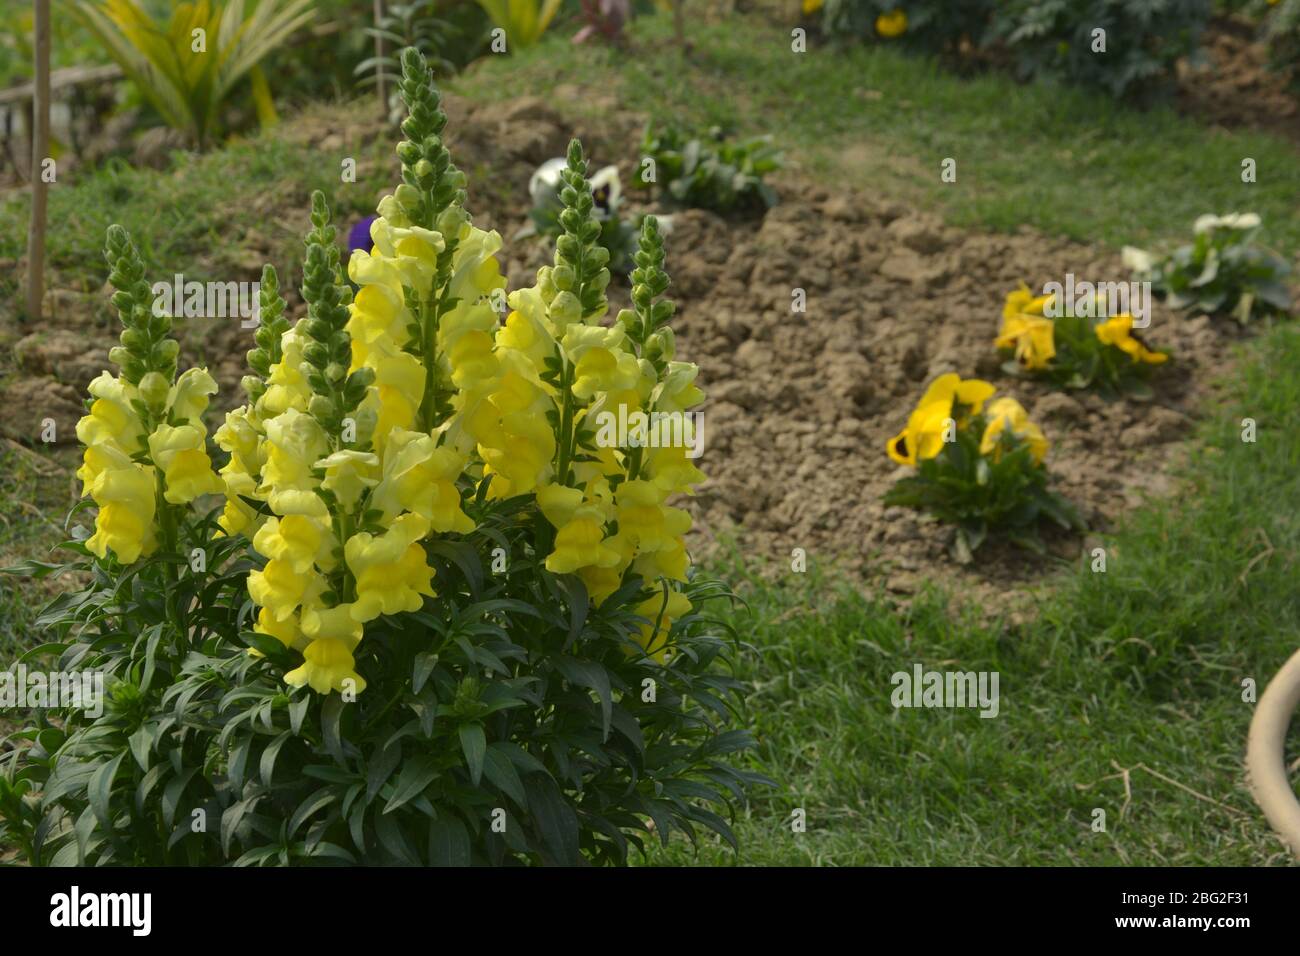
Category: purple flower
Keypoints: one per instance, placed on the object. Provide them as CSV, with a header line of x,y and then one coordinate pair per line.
x,y
359,237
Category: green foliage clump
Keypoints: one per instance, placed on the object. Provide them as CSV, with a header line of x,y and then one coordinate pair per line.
x,y
709,171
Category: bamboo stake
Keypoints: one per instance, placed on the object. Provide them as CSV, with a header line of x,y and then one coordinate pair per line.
x,y
40,150
381,81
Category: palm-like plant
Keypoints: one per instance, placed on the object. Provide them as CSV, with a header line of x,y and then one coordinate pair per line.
x,y
186,75
524,21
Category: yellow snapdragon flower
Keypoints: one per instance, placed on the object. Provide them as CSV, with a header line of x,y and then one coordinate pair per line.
x,y
126,493
180,453
420,477
661,611
280,589
391,570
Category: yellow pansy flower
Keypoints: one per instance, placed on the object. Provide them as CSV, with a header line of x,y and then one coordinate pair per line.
x,y
928,426
1118,332
1007,414
1032,339
1023,302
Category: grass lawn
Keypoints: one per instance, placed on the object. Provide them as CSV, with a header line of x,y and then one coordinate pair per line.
x,y
1125,691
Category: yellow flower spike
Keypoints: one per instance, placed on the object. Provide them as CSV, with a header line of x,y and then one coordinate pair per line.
x,y
187,399
601,582
180,454
391,570
348,473
420,477
328,665
1118,332
287,632
279,589
891,25
296,540
126,495
294,442
112,418
661,612
1008,414
579,544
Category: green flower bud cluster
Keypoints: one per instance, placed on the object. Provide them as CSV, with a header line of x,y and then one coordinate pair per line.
x,y
146,347
647,321
328,351
580,259
426,164
272,324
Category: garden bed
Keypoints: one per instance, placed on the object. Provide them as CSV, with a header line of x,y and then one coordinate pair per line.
x,y
800,405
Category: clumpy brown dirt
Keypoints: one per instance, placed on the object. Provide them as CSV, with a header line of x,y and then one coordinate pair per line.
x,y
800,404
1237,87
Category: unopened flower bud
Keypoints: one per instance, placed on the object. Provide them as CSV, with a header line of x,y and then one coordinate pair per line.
x,y
153,390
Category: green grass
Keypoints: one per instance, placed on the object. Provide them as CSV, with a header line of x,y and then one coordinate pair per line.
x,y
1066,161
200,215
1140,665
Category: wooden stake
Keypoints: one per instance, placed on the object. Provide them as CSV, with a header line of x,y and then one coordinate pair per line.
x,y
40,151
381,81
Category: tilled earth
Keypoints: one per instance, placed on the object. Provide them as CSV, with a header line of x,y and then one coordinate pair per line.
x,y
800,403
